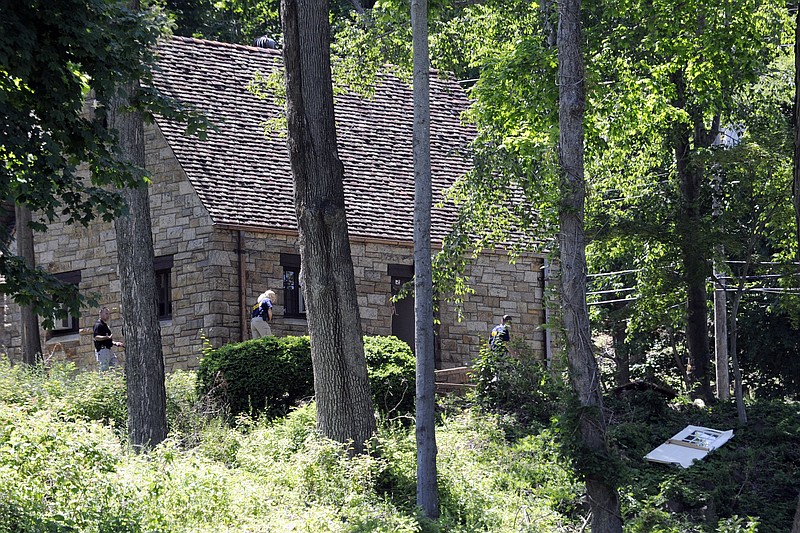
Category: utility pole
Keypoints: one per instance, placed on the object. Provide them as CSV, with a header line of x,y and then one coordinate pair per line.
x,y
721,335
720,306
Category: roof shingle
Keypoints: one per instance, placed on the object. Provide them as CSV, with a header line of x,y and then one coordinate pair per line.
x,y
243,176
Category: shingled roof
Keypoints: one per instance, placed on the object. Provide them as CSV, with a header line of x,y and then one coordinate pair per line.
x,y
243,177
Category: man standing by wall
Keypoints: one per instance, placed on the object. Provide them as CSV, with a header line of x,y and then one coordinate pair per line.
x,y
501,336
103,341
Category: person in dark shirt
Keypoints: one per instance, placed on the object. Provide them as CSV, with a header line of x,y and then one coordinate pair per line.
x,y
104,341
501,336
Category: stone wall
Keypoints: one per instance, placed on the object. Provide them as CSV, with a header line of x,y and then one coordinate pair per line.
x,y
500,288
10,335
205,278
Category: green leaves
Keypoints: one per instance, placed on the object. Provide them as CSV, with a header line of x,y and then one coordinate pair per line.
x,y
59,63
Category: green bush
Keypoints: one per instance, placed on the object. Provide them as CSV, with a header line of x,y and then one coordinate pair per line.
x,y
100,396
520,384
58,475
187,416
392,374
270,375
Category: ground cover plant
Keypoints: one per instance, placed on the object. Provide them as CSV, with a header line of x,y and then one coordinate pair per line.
x,y
65,466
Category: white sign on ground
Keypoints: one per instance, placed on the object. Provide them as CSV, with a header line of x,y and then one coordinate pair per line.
x,y
689,445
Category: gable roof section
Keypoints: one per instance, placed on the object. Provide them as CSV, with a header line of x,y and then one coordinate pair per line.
x,y
243,176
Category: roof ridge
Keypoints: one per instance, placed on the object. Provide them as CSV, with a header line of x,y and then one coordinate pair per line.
x,y
221,44
387,69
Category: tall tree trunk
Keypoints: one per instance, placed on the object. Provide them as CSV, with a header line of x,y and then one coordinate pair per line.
x,y
584,374
737,372
721,338
31,340
427,494
344,404
734,329
144,360
796,525
696,267
622,355
696,272
796,181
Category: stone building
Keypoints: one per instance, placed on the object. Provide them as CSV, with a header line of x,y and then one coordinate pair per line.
x,y
224,225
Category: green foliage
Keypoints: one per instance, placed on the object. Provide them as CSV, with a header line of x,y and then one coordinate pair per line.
x,y
235,21
230,21
269,374
768,344
520,385
479,469
100,396
37,287
60,471
391,368
55,58
750,476
95,396
188,416
59,475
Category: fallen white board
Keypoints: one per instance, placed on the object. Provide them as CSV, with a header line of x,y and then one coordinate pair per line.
x,y
690,444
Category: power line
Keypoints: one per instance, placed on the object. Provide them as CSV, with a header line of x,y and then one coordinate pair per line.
x,y
761,276
603,274
733,262
613,301
626,289
771,290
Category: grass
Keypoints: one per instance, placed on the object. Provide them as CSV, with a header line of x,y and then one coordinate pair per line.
x,y
65,466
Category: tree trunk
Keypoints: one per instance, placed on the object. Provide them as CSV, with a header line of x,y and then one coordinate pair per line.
x,y
721,339
31,340
144,360
737,372
344,404
796,525
622,354
584,374
696,267
427,495
796,168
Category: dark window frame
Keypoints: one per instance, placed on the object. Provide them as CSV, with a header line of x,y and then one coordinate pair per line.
x,y
69,325
293,300
163,269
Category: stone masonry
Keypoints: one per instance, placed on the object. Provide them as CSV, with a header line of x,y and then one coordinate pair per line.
x,y
205,280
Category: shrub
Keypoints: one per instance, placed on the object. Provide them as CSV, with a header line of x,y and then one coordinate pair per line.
x,y
186,415
58,475
521,385
100,396
392,374
268,374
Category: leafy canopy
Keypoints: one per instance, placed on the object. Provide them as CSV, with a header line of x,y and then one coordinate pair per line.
x,y
59,63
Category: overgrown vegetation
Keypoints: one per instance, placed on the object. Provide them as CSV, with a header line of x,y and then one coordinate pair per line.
x,y
270,375
65,464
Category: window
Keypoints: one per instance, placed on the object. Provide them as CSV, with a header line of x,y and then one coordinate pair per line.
x,y
69,324
163,268
293,302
